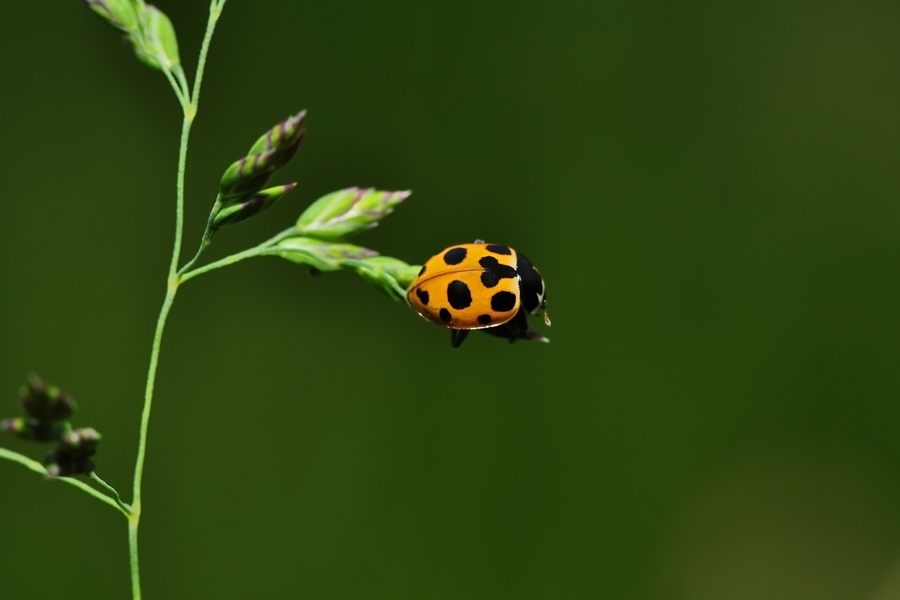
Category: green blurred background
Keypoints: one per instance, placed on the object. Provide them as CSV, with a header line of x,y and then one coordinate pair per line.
x,y
709,188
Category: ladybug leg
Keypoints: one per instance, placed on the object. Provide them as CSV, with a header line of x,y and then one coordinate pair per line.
x,y
457,336
514,329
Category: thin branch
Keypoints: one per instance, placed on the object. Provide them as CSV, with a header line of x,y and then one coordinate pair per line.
x,y
206,240
179,92
215,11
258,250
125,508
190,112
37,467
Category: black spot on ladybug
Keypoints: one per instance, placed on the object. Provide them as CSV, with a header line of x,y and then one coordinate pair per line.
x,y
490,278
445,315
422,272
494,271
458,294
498,249
423,295
503,301
484,319
488,262
454,256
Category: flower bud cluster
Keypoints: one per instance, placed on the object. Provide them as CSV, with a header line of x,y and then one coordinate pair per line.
x,y
47,412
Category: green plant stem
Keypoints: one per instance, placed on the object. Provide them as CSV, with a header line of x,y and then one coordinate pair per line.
x,y
171,289
182,82
39,468
190,112
125,508
133,560
135,517
177,87
206,240
215,11
258,250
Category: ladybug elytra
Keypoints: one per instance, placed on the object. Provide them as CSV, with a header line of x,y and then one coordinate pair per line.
x,y
480,286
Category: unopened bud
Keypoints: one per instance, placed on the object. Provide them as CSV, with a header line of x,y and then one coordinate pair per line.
x,y
81,441
29,429
154,42
271,152
73,455
390,275
321,256
281,138
60,463
251,206
14,426
346,212
119,13
45,403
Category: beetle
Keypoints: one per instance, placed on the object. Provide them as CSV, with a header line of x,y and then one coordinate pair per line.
x,y
482,286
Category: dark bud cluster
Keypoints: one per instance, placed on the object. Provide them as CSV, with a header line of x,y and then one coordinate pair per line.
x,y
73,455
45,403
47,411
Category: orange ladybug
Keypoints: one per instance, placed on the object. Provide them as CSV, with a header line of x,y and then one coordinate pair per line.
x,y
480,286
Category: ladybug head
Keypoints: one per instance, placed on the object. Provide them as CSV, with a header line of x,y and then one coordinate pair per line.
x,y
532,289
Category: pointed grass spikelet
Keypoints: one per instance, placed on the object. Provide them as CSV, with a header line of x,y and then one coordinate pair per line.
x,y
147,29
155,43
319,255
272,151
347,212
250,206
121,14
390,275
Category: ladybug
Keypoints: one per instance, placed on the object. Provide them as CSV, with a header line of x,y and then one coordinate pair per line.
x,y
480,286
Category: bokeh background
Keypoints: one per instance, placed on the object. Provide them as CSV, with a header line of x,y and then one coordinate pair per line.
x,y
711,190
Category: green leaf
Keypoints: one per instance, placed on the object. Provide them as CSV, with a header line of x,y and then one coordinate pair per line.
x,y
154,42
268,154
346,212
120,14
323,256
251,206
